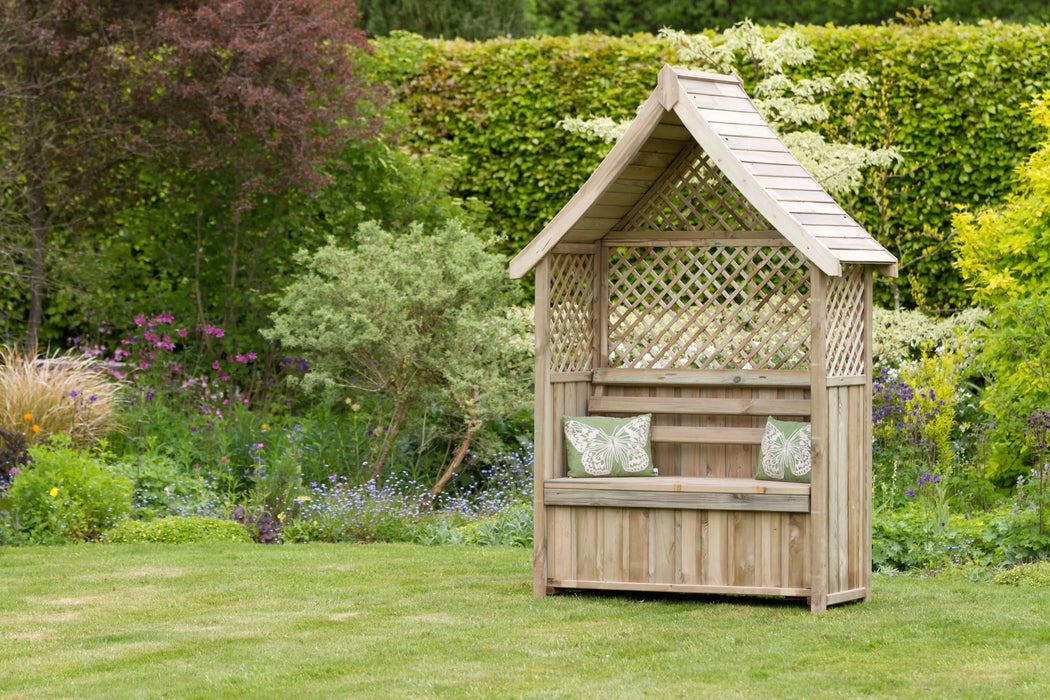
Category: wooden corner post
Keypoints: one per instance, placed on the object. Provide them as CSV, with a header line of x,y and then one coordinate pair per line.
x,y
818,291
543,445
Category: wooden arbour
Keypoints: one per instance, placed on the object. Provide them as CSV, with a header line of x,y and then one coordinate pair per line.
x,y
702,275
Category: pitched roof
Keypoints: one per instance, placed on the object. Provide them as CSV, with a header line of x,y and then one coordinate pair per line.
x,y
698,128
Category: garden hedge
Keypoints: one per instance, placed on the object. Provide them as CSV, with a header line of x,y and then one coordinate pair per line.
x,y
952,98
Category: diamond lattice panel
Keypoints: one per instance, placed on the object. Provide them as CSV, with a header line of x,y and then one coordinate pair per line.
x,y
845,314
571,313
696,196
708,308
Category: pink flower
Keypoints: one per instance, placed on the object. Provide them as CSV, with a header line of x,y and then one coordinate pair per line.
x,y
164,318
215,365
15,470
140,319
241,358
252,356
183,332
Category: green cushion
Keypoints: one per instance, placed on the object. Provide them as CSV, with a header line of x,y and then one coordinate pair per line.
x,y
785,453
602,446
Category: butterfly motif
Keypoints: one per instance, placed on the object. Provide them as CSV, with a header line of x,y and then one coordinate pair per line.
x,y
600,451
781,453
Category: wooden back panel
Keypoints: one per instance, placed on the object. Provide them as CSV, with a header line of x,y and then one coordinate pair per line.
x,y
705,431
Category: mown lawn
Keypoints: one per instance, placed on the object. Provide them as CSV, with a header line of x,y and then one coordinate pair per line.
x,y
411,621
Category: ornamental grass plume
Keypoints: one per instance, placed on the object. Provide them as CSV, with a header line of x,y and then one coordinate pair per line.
x,y
49,395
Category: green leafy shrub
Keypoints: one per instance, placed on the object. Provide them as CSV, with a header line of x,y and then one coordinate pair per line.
x,y
163,489
1035,575
912,538
68,494
509,528
420,319
178,530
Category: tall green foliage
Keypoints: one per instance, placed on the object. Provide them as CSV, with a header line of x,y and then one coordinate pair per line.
x,y
949,97
1004,254
418,318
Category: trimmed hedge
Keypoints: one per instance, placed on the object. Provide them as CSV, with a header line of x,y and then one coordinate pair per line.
x,y
951,97
628,16
178,530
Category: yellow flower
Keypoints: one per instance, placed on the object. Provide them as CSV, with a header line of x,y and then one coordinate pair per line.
x,y
302,498
36,428
28,416
265,426
356,407
53,492
315,522
280,516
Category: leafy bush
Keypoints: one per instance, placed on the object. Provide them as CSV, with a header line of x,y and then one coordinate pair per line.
x,y
178,530
68,494
416,318
43,396
912,538
1035,575
1016,358
162,489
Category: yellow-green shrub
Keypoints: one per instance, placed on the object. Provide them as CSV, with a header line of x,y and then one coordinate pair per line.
x,y
178,530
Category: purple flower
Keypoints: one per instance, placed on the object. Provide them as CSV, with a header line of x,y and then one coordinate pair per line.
x,y
910,492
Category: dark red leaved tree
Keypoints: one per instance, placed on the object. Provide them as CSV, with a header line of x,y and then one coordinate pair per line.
x,y
258,90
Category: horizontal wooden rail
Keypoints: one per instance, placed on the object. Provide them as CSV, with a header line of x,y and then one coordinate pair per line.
x,y
693,493
707,436
680,588
709,407
792,379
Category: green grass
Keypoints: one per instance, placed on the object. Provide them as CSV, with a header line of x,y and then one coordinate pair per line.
x,y
410,621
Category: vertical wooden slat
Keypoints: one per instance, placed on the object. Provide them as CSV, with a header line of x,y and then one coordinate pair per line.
x,y
835,461
638,544
585,550
856,492
690,546
665,454
865,421
716,557
689,457
542,448
612,545
743,548
818,599
662,546
603,305
559,542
